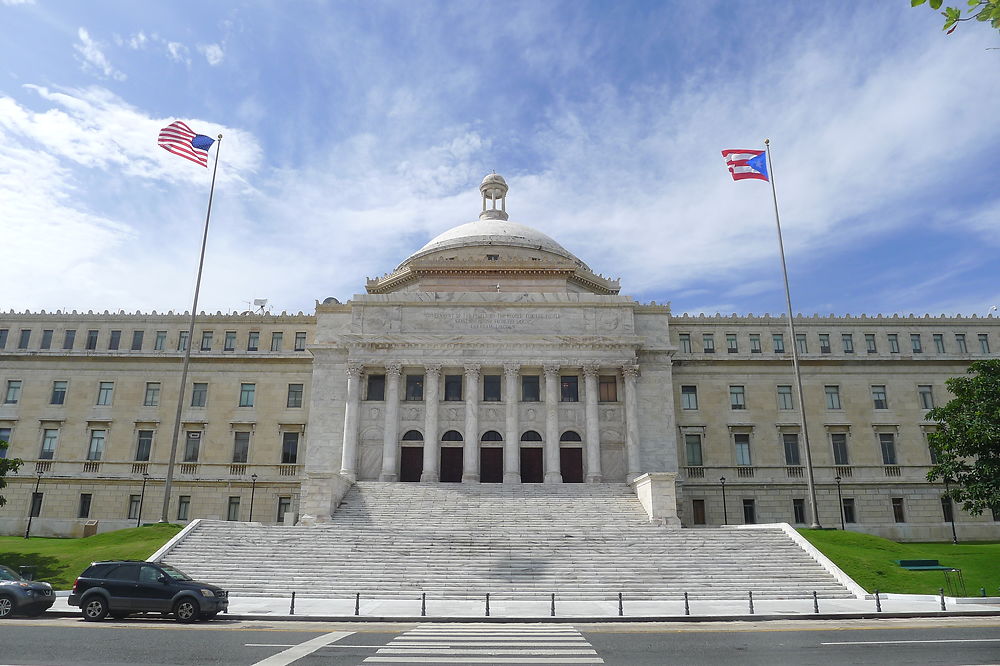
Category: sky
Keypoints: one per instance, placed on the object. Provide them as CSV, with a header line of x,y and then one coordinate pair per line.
x,y
354,132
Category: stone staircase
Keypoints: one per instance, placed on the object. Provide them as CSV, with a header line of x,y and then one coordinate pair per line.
x,y
457,541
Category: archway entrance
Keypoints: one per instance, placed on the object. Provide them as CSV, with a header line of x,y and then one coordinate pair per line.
x,y
491,464
532,469
571,464
411,463
451,464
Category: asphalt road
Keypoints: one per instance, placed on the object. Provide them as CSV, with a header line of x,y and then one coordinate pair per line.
x,y
953,641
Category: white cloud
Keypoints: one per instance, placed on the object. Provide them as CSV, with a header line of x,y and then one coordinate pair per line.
x,y
17,2
212,52
94,59
178,52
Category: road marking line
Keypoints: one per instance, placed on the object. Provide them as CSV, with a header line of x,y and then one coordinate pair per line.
x,y
485,660
302,649
446,650
939,640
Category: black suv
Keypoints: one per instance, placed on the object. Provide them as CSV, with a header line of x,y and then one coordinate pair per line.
x,y
121,587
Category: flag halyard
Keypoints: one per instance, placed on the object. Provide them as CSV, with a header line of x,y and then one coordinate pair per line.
x,y
181,140
744,164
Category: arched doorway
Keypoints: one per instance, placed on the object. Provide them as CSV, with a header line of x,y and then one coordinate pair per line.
x,y
411,456
571,457
451,457
532,465
491,457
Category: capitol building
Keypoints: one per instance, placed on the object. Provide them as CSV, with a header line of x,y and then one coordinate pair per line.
x,y
490,355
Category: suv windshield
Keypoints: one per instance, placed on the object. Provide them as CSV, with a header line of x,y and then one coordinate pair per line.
x,y
176,574
8,574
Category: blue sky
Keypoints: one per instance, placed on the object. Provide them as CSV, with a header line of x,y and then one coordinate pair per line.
x,y
356,131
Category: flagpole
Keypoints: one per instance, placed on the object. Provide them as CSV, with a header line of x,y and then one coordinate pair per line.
x,y
168,482
810,479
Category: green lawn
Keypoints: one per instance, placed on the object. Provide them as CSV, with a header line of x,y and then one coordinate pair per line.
x,y
60,561
870,561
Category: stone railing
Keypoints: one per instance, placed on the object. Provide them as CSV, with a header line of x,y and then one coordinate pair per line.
x,y
158,470
797,473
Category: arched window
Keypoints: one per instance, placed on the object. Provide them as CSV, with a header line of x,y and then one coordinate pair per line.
x,y
413,436
451,436
492,436
570,436
531,436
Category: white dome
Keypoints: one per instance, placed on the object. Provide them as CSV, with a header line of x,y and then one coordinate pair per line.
x,y
493,232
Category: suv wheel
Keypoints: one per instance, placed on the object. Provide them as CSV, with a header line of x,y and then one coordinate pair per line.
x,y
186,610
6,606
95,608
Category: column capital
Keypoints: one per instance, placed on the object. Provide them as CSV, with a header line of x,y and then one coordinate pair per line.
x,y
551,369
591,369
432,369
511,369
630,371
393,369
472,370
355,369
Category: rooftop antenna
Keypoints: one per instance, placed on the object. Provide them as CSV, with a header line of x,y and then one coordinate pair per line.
x,y
260,306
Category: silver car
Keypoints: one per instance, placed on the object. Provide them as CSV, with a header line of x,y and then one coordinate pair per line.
x,y
23,596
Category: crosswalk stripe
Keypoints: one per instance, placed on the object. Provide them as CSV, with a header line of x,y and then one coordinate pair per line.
x,y
484,660
445,650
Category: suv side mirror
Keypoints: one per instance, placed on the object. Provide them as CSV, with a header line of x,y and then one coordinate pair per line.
x,y
163,578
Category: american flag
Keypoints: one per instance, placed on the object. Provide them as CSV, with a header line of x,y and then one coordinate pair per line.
x,y
181,140
746,164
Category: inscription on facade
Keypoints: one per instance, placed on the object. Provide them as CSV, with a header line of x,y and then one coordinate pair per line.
x,y
502,321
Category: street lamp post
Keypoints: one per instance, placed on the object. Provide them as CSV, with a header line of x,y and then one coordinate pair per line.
x,y
31,504
951,511
725,514
840,498
142,496
253,489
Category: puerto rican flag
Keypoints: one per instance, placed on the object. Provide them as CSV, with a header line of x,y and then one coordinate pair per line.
x,y
745,164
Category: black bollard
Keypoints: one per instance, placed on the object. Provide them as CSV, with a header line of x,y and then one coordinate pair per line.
x,y
751,601
621,609
815,602
487,604
291,608
878,603
357,603
687,608
553,604
423,604
982,591
941,591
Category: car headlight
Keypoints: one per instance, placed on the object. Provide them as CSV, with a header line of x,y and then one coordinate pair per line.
x,y
207,593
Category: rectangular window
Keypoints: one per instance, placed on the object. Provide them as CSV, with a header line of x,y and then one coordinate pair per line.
x,y
24,339
4,441
241,447
778,342
85,499
984,343
300,341
530,388
689,397
96,448
247,392
960,341
253,340
105,392
887,441
732,346
133,507
289,448
192,444
742,442
785,397
839,441
91,339
824,343
115,341
36,505
832,397
4,332
790,441
870,343
50,438
294,395
160,342
233,512
850,515
414,388
13,393
698,512
939,343
801,344
152,398
46,339
749,512
137,340
183,507
879,398
893,343
915,343
755,347
947,510
692,447
799,510
199,394
685,339
569,388
898,514
284,506
491,388
182,340
847,342
276,340
376,387
708,343
143,445
926,394
607,388
69,339
206,340
737,397
229,342
453,388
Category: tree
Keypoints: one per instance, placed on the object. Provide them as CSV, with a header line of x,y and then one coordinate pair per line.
x,y
7,465
977,10
967,440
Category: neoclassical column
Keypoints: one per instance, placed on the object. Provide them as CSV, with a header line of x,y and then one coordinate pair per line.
x,y
592,441
432,441
552,463
631,373
470,456
390,440
349,451
511,441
